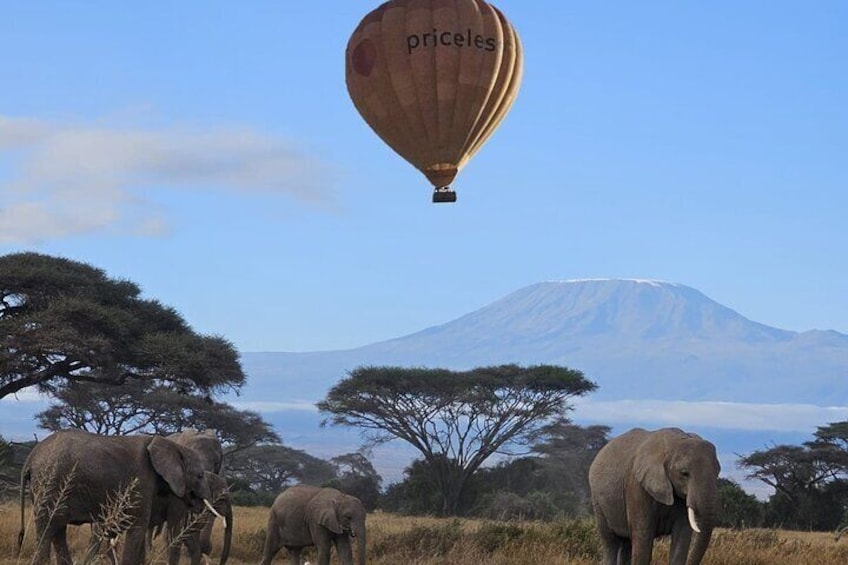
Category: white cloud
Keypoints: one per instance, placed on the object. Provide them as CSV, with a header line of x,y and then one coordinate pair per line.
x,y
72,179
270,406
725,415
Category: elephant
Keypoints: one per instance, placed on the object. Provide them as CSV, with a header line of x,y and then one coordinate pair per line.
x,y
171,509
305,515
192,530
647,484
74,476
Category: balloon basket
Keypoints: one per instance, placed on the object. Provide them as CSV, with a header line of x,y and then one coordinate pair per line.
x,y
444,194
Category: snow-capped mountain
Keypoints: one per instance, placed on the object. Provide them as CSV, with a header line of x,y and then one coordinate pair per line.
x,y
635,338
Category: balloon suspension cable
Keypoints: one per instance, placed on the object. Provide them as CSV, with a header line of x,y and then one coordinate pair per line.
x,y
443,194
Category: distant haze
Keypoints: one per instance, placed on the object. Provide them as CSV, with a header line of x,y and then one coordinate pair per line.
x,y
661,353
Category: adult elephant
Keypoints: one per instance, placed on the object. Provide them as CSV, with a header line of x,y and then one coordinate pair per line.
x,y
647,484
305,515
195,532
75,475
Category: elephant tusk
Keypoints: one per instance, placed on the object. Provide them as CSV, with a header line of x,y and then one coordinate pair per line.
x,y
692,521
215,512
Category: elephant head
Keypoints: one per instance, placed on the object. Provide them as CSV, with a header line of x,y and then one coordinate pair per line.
x,y
205,444
181,469
675,464
341,514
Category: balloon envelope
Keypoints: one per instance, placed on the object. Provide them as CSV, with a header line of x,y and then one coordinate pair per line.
x,y
434,79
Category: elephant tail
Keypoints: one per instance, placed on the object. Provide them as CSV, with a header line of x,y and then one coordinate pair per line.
x,y
25,474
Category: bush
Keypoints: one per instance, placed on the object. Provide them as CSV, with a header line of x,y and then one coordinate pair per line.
x,y
507,506
578,538
250,498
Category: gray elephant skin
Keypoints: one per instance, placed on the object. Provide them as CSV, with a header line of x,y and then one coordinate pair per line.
x,y
647,484
84,472
185,527
305,515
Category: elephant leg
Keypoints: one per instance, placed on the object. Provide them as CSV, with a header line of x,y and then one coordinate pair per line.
x,y
174,551
272,542
642,544
611,542
60,545
135,546
344,549
324,552
45,532
192,543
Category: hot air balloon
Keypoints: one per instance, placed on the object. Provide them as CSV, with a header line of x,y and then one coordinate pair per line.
x,y
434,79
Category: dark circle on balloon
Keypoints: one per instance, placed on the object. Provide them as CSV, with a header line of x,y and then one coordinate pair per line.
x,y
364,56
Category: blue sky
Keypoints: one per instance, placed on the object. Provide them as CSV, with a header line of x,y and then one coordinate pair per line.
x,y
209,152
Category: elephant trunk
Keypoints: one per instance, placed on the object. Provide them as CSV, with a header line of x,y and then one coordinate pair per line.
x,y
228,532
361,554
702,519
699,545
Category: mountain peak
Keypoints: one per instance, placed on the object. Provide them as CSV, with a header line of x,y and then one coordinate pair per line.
x,y
607,309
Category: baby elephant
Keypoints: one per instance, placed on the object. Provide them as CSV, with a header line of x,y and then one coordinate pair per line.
x,y
304,515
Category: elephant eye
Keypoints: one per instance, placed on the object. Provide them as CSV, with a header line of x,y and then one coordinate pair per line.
x,y
684,473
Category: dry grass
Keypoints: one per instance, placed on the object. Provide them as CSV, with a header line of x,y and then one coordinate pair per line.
x,y
397,540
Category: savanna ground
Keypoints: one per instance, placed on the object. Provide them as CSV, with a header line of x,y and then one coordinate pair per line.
x,y
397,540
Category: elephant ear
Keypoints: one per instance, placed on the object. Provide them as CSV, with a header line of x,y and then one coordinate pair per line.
x,y
649,470
167,461
323,510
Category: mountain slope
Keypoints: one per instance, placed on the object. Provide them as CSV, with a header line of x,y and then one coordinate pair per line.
x,y
635,338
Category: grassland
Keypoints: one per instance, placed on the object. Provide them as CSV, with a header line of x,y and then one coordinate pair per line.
x,y
396,540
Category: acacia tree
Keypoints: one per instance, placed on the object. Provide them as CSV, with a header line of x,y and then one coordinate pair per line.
x,y
140,406
810,480
63,321
268,469
455,419
567,452
355,475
